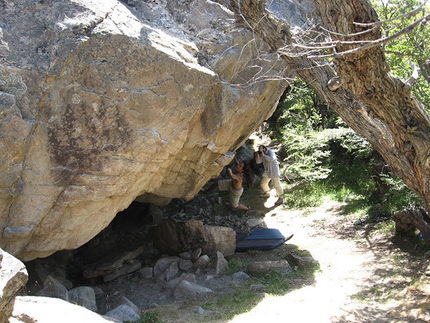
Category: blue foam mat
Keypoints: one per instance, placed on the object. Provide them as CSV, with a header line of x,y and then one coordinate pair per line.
x,y
265,234
260,239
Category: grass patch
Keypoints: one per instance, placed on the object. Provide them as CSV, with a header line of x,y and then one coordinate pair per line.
x,y
306,271
148,317
316,193
349,184
234,265
388,228
247,296
230,304
274,282
243,298
309,195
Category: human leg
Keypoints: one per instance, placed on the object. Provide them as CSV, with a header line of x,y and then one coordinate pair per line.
x,y
278,187
279,190
234,197
264,184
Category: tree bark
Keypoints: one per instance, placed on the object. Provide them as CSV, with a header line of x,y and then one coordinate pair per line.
x,y
370,100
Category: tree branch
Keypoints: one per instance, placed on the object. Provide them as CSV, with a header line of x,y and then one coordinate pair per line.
x,y
365,44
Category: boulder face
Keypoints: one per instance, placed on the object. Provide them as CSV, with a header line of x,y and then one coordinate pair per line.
x,y
103,102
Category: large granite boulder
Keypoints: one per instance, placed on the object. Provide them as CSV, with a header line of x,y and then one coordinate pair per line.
x,y
53,310
103,102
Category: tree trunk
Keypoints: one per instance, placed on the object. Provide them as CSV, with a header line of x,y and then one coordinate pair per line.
x,y
374,103
408,220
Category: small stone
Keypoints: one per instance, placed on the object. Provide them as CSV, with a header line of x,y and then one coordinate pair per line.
x,y
199,310
185,255
185,289
146,272
202,261
196,254
123,313
240,277
263,267
185,264
221,263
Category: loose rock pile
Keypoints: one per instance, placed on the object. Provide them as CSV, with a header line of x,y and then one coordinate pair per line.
x,y
171,277
132,266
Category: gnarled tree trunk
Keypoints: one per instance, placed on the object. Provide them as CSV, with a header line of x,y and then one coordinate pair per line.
x,y
367,97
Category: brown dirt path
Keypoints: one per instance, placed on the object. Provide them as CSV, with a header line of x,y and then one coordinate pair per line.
x,y
365,274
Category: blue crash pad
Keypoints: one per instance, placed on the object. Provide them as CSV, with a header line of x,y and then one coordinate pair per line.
x,y
260,239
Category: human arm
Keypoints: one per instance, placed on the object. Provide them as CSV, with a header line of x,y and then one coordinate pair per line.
x,y
270,155
232,175
258,158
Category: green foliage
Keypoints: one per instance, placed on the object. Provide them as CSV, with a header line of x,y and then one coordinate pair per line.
x,y
399,195
411,47
355,171
236,299
308,195
298,121
306,154
349,182
326,159
234,265
302,109
355,145
243,297
327,162
275,282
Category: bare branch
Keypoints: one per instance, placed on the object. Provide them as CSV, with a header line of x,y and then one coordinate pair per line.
x,y
362,44
350,35
379,23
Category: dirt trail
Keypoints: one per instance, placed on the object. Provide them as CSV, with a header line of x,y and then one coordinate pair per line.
x,y
361,277
365,276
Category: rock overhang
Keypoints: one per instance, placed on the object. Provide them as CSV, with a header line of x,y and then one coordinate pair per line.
x,y
125,110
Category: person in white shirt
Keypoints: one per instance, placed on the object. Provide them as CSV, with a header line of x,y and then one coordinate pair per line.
x,y
271,172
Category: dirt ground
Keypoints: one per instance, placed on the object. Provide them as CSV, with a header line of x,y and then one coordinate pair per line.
x,y
366,274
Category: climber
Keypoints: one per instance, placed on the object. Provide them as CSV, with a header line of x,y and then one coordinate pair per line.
x,y
236,188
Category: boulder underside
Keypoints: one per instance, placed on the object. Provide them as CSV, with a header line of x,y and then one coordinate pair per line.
x,y
111,103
